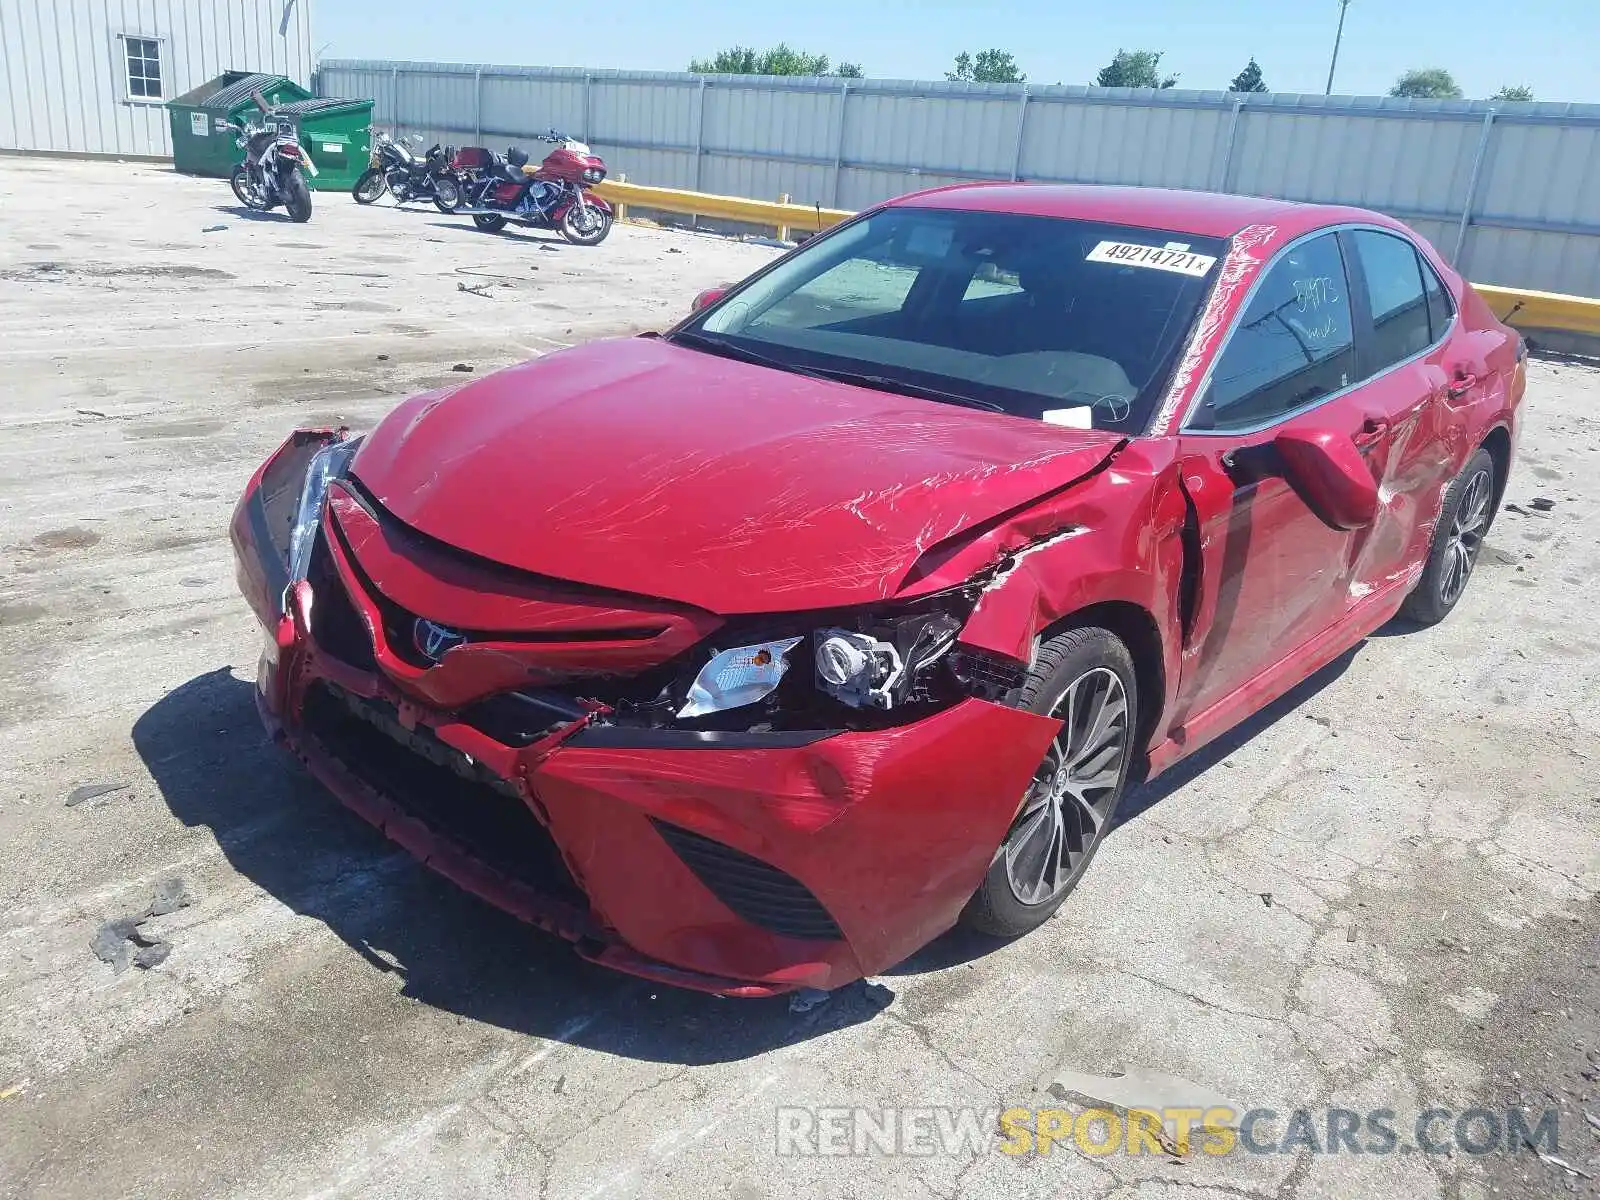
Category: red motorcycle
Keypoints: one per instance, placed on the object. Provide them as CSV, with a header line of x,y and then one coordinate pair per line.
x,y
554,195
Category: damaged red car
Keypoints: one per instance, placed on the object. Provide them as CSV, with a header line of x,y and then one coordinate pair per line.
x,y
754,655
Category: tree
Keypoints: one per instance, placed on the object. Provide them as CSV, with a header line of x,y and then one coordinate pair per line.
x,y
1514,91
1136,69
1249,79
1427,83
990,66
782,59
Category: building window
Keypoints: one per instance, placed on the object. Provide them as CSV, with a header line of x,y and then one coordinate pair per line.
x,y
142,59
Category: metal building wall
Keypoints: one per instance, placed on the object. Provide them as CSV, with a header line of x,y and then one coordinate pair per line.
x,y
62,78
1510,192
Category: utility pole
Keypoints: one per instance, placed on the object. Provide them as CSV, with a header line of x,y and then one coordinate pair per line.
x,y
1337,38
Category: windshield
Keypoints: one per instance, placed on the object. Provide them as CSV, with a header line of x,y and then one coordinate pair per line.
x,y
1071,322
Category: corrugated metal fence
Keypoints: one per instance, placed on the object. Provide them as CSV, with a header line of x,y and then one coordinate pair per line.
x,y
64,83
1509,192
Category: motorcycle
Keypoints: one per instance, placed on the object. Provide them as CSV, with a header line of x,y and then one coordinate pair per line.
x,y
396,169
554,195
270,173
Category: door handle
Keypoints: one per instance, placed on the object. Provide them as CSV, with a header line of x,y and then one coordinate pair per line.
x,y
1465,381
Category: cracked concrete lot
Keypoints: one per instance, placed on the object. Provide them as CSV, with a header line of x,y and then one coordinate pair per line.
x,y
1381,894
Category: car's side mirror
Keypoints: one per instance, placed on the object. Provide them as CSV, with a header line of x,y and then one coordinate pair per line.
x,y
708,297
1330,475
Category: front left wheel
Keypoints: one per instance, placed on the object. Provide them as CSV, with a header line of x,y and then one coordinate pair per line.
x,y
1085,678
1464,520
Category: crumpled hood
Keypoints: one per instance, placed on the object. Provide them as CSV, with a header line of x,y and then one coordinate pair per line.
x,y
645,467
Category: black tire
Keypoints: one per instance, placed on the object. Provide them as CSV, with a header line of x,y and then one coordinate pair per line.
x,y
370,187
246,191
588,228
297,198
489,222
1086,656
446,193
1464,519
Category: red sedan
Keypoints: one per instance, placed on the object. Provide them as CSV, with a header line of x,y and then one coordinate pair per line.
x,y
754,655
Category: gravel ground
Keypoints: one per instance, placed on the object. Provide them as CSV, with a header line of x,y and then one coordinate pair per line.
x,y
1380,894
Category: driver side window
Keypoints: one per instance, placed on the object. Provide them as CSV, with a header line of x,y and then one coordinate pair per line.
x,y
1292,346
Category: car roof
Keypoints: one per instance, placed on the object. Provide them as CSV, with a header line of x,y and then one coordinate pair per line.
x,y
1204,214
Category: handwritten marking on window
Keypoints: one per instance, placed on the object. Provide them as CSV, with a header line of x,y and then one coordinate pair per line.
x,y
1322,331
1315,292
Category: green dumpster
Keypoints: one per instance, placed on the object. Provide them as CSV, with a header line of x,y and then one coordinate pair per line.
x,y
202,143
337,134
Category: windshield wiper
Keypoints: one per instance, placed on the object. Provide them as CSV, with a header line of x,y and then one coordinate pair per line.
x,y
716,345
885,384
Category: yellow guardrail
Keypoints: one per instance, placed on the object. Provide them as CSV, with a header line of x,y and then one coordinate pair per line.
x,y
787,217
1542,310
1516,307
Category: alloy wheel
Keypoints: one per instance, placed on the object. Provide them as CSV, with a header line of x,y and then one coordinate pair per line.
x,y
1470,523
1074,790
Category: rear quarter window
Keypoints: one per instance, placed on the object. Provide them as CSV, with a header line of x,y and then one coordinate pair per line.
x,y
1441,306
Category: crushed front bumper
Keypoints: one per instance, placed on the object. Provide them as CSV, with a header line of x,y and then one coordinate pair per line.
x,y
740,864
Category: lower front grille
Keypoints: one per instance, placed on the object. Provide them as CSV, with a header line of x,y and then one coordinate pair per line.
x,y
755,891
436,784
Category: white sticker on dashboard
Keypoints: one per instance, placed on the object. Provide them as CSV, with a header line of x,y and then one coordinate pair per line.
x,y
1081,417
1157,258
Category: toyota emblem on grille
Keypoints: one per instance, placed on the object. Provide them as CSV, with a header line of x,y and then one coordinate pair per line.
x,y
433,640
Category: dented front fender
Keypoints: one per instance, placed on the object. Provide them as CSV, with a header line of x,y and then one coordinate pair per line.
x,y
1118,539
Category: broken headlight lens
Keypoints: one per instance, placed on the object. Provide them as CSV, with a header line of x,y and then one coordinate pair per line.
x,y
734,678
878,664
328,464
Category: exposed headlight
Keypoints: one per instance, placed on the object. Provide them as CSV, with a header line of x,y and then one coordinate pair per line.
x,y
734,678
880,668
328,464
858,669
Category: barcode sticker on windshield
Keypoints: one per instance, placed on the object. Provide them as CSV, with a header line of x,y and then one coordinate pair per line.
x,y
1158,258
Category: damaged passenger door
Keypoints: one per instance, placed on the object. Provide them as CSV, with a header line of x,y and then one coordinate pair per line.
x,y
1416,374
1272,572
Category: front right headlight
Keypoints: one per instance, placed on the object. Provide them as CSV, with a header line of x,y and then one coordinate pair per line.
x,y
328,464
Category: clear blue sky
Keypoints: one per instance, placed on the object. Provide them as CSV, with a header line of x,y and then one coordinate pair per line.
x,y
1550,45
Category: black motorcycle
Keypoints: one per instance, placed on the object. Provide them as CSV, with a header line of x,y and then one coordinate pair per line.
x,y
396,169
270,173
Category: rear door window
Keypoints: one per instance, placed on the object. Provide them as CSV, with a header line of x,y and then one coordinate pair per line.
x,y
1293,345
1393,280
